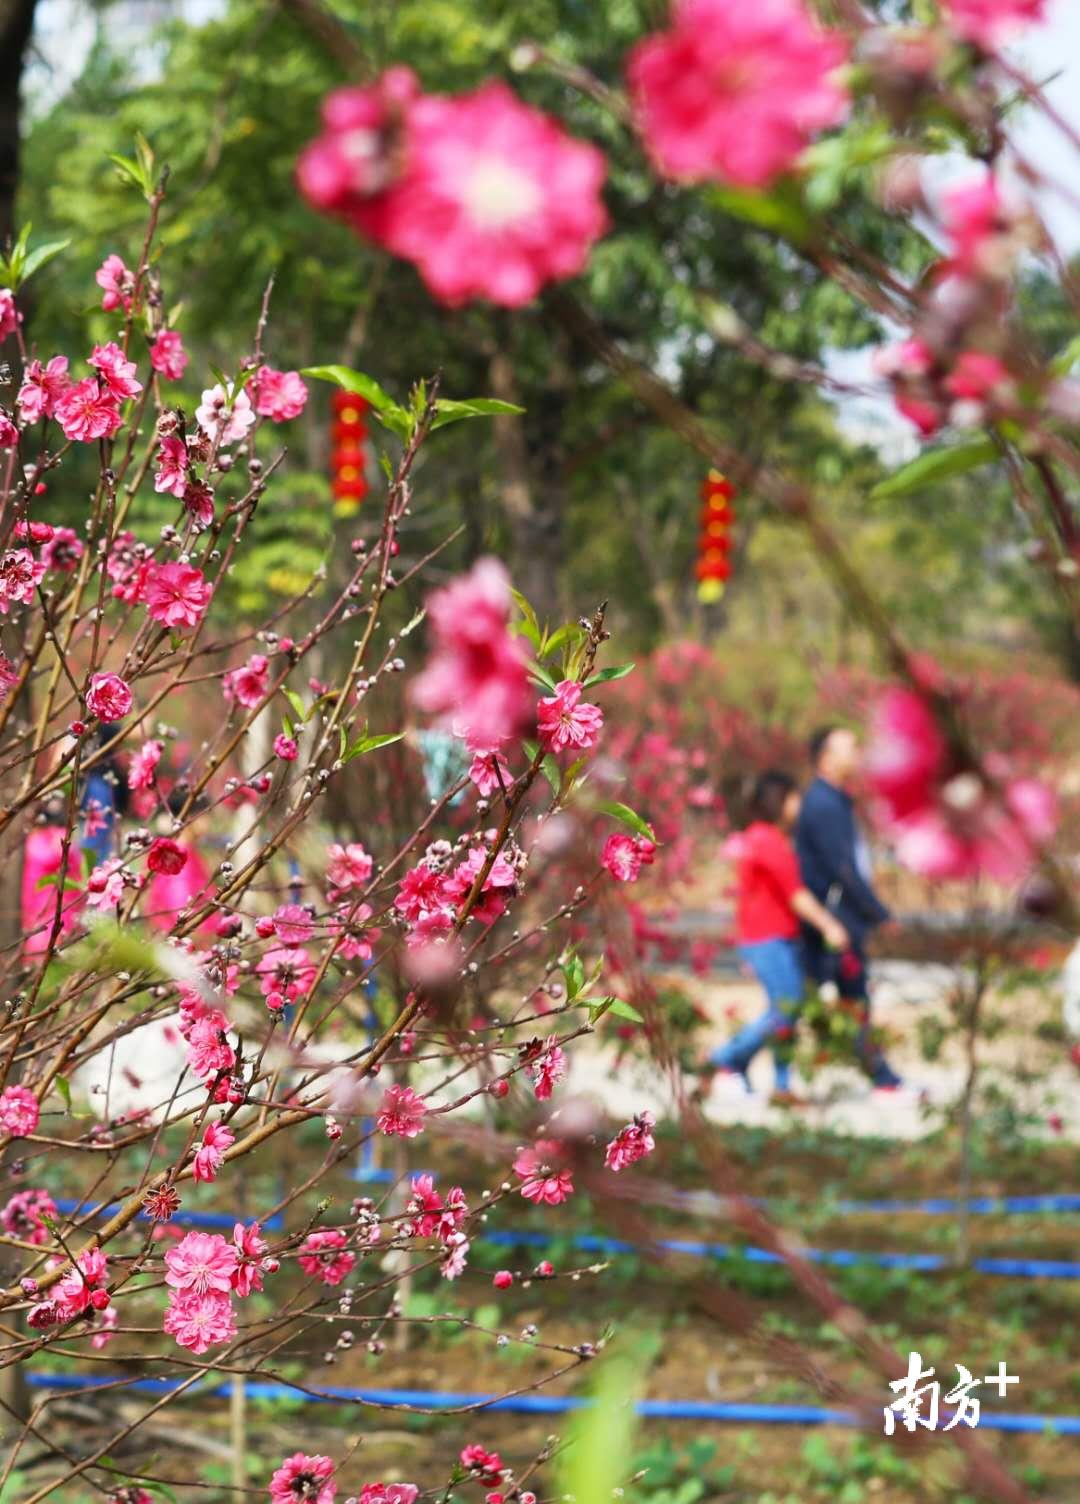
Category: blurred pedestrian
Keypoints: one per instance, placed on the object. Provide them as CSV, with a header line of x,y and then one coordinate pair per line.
x,y
772,898
835,863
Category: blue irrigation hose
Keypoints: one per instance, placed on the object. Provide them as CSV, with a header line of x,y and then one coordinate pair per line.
x,y
980,1206
182,1218
843,1258
840,1258
549,1404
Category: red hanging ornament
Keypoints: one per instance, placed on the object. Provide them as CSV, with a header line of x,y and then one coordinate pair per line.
x,y
348,460
713,568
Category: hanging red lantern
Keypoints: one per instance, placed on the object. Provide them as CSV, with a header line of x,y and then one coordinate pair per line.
x,y
348,459
713,568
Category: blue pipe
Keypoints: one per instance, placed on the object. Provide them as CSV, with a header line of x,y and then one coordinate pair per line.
x,y
844,1258
840,1258
551,1404
183,1218
981,1206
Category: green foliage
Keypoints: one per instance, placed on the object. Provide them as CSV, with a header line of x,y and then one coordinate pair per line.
x,y
935,465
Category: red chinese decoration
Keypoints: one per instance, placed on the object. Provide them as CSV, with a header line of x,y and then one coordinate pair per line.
x,y
348,462
714,541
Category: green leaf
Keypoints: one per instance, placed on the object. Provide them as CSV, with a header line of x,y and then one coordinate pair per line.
x,y
598,1006
355,382
607,675
542,676
297,704
1067,357
390,413
780,211
623,1009
628,817
63,1086
599,1456
40,256
936,465
529,626
572,632
551,771
369,744
472,407
574,972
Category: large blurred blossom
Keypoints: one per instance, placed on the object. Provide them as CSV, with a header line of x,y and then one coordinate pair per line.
x,y
486,196
734,92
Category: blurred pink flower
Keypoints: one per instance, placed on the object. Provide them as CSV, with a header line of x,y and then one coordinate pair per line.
x,y
734,92
991,23
168,356
475,678
279,395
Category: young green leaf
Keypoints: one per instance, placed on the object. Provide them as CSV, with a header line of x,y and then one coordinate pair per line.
x,y
551,771
628,817
542,676
297,704
608,675
473,407
936,465
597,1462
369,744
40,256
355,382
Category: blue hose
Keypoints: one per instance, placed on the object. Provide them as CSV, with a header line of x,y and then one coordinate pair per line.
x,y
547,1404
182,1218
843,1258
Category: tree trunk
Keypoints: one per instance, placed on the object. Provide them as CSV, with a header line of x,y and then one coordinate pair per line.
x,y
16,22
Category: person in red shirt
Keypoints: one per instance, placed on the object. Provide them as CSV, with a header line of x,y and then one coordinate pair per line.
x,y
772,899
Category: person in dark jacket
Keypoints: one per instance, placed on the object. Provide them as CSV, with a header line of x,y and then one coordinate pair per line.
x,y
835,865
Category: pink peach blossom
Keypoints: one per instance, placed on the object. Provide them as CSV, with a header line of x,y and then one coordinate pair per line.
x,y
279,395
19,1111
303,1479
992,23
733,93
200,1321
142,769
210,1155
631,1143
348,866
323,1253
42,387
563,721
117,283
402,1112
88,411
115,370
176,595
201,1262
171,474
248,685
168,356
222,420
108,697
475,678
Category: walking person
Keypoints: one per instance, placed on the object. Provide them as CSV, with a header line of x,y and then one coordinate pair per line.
x,y
835,864
772,898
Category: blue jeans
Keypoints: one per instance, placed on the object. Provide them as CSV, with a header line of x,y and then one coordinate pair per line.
x,y
778,966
